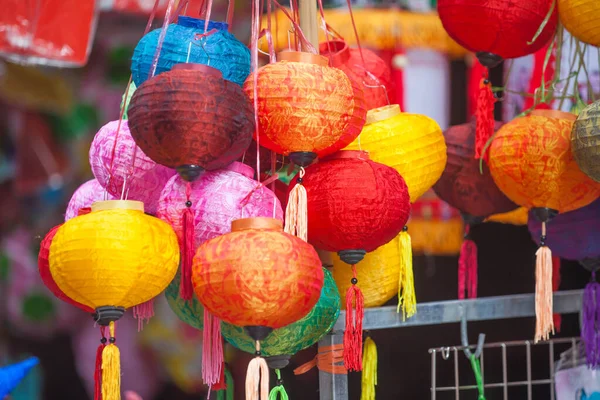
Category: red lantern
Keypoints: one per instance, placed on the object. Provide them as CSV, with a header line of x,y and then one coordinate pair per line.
x,y
191,119
365,68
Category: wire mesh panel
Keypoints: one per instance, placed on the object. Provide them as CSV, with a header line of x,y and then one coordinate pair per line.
x,y
515,370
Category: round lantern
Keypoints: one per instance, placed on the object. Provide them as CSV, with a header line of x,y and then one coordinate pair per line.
x,y
191,119
581,19
187,41
412,144
584,141
288,340
85,195
124,170
363,67
189,311
306,108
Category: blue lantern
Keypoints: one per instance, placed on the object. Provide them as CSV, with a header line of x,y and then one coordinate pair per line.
x,y
185,42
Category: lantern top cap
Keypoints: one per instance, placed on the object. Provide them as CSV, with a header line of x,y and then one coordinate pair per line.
x,y
205,69
299,56
382,113
554,114
337,51
348,154
265,223
118,205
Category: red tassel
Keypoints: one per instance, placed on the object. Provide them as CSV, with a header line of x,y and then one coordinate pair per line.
x,y
212,350
555,286
186,291
467,268
221,384
98,368
485,116
354,322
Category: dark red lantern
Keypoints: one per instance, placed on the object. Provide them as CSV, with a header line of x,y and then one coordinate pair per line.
x,y
191,119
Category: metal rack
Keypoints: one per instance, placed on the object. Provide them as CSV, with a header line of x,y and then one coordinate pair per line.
x,y
335,386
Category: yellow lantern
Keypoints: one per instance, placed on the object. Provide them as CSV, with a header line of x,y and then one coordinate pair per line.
x,y
582,19
412,144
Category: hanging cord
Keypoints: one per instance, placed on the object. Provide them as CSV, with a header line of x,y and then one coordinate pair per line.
x,y
329,359
475,365
354,320
544,325
278,391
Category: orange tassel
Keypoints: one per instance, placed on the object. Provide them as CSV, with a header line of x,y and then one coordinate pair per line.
x,y
484,115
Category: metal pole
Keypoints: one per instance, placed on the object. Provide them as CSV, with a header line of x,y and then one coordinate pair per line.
x,y
332,386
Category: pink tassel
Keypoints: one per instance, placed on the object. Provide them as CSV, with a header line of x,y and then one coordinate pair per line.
x,y
143,312
212,350
354,322
467,268
187,290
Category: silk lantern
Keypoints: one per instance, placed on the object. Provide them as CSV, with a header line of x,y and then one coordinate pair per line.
x,y
580,18
412,144
496,30
123,168
191,119
364,67
85,195
111,259
531,162
288,340
584,141
472,191
357,205
189,40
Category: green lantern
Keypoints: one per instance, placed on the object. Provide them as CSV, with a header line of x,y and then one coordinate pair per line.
x,y
287,341
191,312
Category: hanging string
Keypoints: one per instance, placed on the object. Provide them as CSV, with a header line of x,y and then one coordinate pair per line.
x,y
329,359
356,32
475,365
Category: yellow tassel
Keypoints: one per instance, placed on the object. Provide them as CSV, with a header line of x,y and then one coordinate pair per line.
x,y
407,299
544,323
111,369
296,212
369,370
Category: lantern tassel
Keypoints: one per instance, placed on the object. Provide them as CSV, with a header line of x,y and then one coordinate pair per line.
x,y
407,299
278,391
111,368
212,351
591,322
143,312
467,267
296,211
369,374
257,378
484,115
354,321
188,247
555,287
98,367
221,384
544,325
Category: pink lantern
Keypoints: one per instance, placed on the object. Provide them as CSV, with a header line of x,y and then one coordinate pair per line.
x,y
134,175
86,194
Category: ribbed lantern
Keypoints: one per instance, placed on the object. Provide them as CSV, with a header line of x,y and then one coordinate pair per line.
x,y
585,141
191,119
412,144
124,169
532,163
188,41
363,67
288,340
85,195
582,19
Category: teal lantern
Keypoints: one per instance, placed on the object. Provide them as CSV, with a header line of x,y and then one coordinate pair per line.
x,y
191,312
287,341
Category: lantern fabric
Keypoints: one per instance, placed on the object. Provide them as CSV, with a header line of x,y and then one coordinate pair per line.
x,y
125,170
114,257
498,26
378,274
297,336
257,275
187,42
355,203
306,106
85,195
531,162
581,19
189,311
412,144
517,217
373,75
218,198
462,185
573,235
191,117
584,141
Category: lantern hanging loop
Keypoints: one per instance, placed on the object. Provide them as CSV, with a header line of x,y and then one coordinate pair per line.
x,y
464,337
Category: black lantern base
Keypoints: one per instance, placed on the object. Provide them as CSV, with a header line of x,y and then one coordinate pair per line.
x,y
544,214
258,332
278,362
352,257
107,314
189,172
488,60
303,158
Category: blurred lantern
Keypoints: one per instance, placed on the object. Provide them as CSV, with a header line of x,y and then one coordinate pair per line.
x,y
581,19
123,169
378,272
189,311
85,195
496,30
584,141
191,119
113,258
532,163
412,144
473,193
126,99
365,68
187,41
357,205
12,375
288,340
